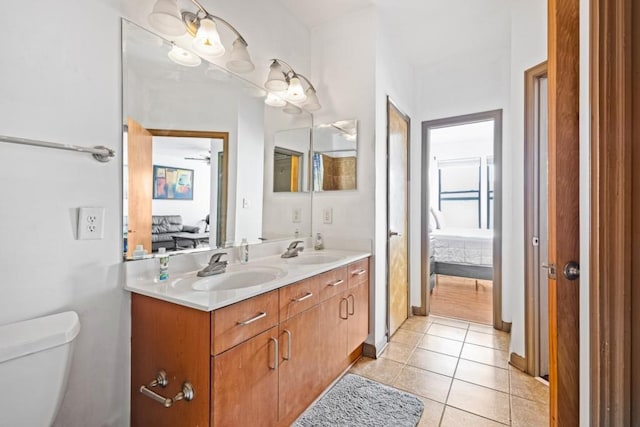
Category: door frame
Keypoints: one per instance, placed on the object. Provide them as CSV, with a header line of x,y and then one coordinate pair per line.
x,y
496,116
531,200
392,104
614,53
224,136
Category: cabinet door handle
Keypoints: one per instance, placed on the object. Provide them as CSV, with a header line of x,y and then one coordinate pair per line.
x,y
288,356
253,319
302,298
276,353
353,304
346,316
359,272
336,283
187,393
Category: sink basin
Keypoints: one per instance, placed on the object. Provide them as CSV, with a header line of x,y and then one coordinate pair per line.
x,y
313,259
237,279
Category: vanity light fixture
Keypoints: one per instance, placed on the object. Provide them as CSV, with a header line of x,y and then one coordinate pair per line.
x,y
289,83
203,27
274,101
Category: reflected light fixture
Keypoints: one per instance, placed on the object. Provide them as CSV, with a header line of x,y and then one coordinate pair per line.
x,y
274,100
183,57
203,27
291,109
289,82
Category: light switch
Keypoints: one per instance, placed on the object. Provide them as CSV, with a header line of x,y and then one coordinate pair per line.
x,y
327,215
297,215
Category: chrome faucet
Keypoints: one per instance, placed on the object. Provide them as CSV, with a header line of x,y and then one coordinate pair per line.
x,y
293,249
215,265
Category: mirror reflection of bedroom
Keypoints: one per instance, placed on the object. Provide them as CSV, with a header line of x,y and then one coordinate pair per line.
x,y
461,200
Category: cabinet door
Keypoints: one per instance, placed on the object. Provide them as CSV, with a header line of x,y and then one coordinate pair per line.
x,y
173,338
358,306
245,383
301,367
332,338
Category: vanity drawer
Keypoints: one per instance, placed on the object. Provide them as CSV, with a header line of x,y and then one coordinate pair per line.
x,y
358,272
298,297
240,321
332,282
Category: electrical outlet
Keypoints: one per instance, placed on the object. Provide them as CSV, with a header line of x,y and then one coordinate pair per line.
x,y
297,215
327,215
90,223
245,203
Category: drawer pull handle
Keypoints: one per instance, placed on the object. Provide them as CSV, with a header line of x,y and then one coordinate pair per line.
x,y
353,305
346,316
260,315
187,393
306,296
276,353
336,283
288,356
359,272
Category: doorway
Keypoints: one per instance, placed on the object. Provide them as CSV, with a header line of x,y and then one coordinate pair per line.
x,y
461,217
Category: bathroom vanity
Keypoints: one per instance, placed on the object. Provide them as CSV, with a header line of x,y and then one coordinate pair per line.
x,y
261,360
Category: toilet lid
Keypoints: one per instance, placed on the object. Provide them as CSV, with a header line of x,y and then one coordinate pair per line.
x,y
31,336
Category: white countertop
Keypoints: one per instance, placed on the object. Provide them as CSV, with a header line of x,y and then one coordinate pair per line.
x,y
177,290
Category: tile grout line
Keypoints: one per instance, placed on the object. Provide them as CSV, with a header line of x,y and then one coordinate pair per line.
x,y
446,400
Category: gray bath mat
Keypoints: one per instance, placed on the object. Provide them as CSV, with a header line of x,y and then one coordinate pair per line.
x,y
357,401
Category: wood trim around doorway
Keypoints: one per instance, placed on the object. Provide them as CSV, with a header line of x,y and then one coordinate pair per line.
x,y
531,194
610,268
496,116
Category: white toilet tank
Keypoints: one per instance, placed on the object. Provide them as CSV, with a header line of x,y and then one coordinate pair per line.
x,y
35,356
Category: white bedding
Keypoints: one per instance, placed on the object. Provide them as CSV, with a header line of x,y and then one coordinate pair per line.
x,y
463,246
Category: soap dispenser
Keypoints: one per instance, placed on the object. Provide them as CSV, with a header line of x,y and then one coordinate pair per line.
x,y
163,258
139,252
244,251
319,244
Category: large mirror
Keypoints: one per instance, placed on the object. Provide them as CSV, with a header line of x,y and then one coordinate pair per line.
x,y
198,150
335,155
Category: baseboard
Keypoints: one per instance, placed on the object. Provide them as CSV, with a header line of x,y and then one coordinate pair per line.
x,y
506,327
374,351
419,311
518,362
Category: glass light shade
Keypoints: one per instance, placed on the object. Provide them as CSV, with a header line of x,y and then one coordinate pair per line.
x,y
274,101
291,109
240,61
276,80
312,103
207,41
165,17
183,57
295,92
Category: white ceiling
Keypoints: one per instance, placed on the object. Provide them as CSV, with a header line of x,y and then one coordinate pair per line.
x,y
423,31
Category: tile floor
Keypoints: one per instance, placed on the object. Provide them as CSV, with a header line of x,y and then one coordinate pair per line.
x,y
460,371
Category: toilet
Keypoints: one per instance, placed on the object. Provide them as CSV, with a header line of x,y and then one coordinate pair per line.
x,y
35,357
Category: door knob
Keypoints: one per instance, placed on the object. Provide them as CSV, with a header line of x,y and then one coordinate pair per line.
x,y
571,270
394,233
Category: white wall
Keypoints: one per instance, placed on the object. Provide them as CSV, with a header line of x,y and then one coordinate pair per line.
x,y
343,71
463,84
65,86
528,48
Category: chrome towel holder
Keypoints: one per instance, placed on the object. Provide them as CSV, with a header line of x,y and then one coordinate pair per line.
x,y
100,153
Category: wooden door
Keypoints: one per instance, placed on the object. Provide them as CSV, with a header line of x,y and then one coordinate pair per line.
x,y
301,364
564,239
245,383
397,210
173,338
140,186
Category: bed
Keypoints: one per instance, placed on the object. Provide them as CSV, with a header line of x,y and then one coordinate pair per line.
x,y
463,252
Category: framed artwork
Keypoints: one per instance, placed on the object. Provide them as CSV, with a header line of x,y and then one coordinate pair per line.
x,y
171,183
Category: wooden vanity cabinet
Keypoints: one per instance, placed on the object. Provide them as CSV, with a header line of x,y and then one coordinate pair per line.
x,y
261,361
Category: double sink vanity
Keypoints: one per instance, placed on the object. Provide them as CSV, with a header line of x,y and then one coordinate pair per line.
x,y
255,345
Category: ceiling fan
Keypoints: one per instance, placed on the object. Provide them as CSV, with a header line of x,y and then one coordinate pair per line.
x,y
202,157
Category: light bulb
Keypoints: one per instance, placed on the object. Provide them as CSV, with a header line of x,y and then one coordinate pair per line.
x,y
295,92
276,80
207,41
274,101
312,103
